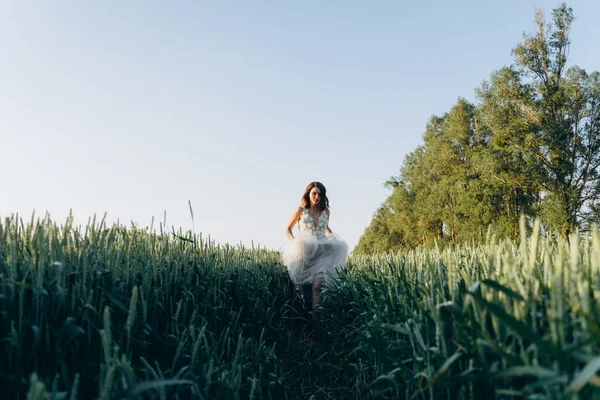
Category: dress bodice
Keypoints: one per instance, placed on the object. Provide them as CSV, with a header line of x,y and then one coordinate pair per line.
x,y
309,225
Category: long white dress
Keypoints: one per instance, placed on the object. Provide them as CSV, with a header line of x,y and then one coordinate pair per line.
x,y
314,251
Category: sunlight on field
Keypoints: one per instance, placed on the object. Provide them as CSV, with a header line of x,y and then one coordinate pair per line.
x,y
113,311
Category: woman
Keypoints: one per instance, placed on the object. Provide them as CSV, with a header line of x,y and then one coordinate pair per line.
x,y
315,253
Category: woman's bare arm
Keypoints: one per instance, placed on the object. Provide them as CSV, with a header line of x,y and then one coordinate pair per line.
x,y
328,229
295,218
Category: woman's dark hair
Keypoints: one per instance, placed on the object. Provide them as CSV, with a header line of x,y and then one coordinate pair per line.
x,y
324,202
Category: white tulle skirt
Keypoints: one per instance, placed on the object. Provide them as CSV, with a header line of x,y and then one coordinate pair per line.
x,y
308,256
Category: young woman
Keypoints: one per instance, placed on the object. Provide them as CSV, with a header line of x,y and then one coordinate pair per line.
x,y
315,254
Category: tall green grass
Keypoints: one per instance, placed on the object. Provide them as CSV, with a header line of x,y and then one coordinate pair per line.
x,y
500,320
115,312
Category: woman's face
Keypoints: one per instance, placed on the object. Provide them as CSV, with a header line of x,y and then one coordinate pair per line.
x,y
315,196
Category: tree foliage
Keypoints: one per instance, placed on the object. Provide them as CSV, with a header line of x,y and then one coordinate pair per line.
x,y
530,145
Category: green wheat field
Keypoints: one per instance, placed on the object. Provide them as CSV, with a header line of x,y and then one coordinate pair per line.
x,y
127,313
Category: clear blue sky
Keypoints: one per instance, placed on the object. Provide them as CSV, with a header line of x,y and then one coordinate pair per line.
x,y
135,107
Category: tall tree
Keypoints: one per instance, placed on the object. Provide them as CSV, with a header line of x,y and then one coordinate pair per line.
x,y
548,117
531,145
440,194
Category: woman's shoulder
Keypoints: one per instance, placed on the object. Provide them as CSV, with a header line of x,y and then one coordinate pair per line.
x,y
327,210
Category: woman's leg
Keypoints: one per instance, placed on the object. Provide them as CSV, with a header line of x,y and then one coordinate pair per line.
x,y
307,296
316,288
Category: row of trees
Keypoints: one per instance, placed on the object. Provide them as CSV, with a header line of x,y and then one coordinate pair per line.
x,y
530,145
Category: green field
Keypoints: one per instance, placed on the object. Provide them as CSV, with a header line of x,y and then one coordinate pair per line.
x,y
115,312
